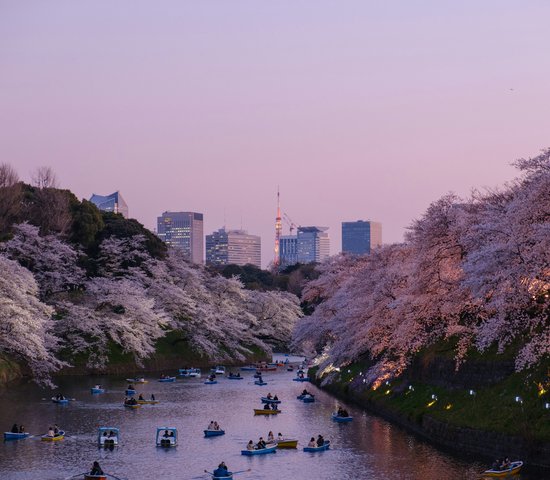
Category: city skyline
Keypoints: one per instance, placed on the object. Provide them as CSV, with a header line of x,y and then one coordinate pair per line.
x,y
370,111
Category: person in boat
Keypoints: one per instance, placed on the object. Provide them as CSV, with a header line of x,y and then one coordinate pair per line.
x,y
274,406
221,471
141,397
216,426
269,396
505,464
305,392
250,445
21,429
15,428
162,376
261,443
112,434
152,397
211,425
275,397
166,434
320,441
270,437
96,469
51,432
496,464
312,443
280,436
56,429
130,387
267,407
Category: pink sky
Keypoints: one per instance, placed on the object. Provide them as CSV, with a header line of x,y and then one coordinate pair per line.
x,y
357,109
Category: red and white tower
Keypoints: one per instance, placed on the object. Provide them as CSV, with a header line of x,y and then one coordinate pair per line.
x,y
278,231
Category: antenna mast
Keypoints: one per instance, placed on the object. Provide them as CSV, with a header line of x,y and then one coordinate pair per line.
x,y
278,231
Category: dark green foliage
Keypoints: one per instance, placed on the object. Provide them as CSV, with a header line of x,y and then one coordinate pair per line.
x,y
118,226
87,223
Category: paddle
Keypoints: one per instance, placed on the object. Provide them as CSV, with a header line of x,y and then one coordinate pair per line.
x,y
232,473
77,475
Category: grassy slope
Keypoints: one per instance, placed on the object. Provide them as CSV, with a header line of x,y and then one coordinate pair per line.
x,y
492,408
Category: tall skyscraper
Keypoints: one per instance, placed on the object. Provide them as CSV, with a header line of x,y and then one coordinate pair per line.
x,y
237,247
183,230
111,203
313,244
361,237
288,250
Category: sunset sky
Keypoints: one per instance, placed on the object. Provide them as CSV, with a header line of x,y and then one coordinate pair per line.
x,y
356,109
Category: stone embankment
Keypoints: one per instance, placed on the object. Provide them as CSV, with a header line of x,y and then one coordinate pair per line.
x,y
437,373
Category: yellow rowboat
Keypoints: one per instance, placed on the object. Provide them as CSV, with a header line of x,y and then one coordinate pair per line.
x,y
287,443
261,411
514,468
55,438
147,402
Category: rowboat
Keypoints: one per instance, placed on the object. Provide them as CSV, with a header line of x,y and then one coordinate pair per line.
x,y
269,400
107,436
287,443
340,419
60,436
234,377
249,368
137,380
228,476
261,411
167,379
132,406
167,442
258,382
267,369
323,447
130,391
514,468
308,399
213,433
15,436
218,370
94,477
210,382
147,402
97,390
270,448
195,373
301,379
62,401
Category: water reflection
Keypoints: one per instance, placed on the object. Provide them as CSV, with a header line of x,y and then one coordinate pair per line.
x,y
367,448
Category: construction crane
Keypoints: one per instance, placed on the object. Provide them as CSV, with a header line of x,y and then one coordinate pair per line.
x,y
290,223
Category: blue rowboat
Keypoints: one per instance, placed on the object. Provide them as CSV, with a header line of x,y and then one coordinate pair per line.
x,y
323,447
97,390
298,379
213,433
167,379
339,419
308,399
260,451
15,436
130,391
257,382
269,400
210,382
513,469
63,401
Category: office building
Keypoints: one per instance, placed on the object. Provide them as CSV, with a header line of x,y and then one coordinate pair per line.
x,y
288,250
183,230
312,244
237,247
361,237
111,203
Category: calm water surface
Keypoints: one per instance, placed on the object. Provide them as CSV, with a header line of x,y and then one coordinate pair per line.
x,y
367,448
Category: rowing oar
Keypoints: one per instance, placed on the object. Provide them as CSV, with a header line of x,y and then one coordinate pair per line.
x,y
77,475
232,473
